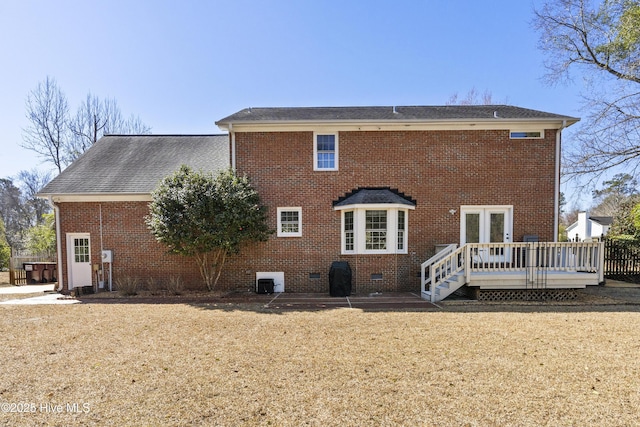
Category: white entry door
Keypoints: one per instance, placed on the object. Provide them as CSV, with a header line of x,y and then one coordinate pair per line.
x,y
79,260
487,224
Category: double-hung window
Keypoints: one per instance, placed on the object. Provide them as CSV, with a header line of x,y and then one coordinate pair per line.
x,y
402,235
325,151
348,231
289,222
376,230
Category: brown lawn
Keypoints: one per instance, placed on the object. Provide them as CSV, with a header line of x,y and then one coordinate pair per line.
x,y
182,365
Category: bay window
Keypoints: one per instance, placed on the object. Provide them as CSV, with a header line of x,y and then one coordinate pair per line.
x,y
374,230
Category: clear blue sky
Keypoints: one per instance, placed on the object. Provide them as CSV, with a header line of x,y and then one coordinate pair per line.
x,y
182,65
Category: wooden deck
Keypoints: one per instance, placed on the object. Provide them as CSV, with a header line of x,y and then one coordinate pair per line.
x,y
520,280
522,265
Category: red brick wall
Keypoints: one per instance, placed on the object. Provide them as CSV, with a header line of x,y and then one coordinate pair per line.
x,y
136,253
441,170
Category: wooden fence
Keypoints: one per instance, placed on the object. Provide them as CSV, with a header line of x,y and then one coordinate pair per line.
x,y
622,260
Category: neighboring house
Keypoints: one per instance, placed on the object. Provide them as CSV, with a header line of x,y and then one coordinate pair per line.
x,y
589,227
382,188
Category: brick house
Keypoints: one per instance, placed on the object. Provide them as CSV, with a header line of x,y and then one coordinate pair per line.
x,y
383,188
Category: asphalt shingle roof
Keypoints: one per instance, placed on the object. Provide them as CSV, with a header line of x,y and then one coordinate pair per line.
x,y
137,163
604,220
369,196
391,114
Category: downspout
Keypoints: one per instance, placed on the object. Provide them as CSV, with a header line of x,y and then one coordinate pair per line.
x,y
101,276
233,147
56,210
556,202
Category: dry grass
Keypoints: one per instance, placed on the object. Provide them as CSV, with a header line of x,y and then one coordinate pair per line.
x,y
178,364
4,277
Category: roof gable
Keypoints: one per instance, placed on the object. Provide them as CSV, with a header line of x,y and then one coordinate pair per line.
x,y
135,164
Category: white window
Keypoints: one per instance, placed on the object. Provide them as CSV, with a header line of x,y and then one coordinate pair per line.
x,y
349,245
374,230
325,151
401,243
289,222
526,134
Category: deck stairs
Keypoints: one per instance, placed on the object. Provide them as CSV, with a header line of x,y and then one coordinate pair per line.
x,y
443,274
446,287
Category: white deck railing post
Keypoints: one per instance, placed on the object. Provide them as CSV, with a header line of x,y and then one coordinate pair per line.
x,y
600,262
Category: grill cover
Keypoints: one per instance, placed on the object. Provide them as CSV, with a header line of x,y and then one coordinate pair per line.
x,y
340,279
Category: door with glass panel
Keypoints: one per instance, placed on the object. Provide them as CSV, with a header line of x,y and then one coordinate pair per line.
x,y
487,225
79,260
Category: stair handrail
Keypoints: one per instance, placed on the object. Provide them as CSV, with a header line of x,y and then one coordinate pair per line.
x,y
426,266
446,268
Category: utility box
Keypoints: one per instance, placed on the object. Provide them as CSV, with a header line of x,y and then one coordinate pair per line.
x,y
340,279
107,256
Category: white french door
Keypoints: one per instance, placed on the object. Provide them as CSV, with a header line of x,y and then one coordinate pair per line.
x,y
79,260
487,224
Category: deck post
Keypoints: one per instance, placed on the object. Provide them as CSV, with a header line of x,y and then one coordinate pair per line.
x,y
432,288
601,262
532,255
467,263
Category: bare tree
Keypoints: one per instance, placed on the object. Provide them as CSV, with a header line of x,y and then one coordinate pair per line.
x,y
47,132
601,43
95,118
59,138
133,126
473,97
13,213
31,182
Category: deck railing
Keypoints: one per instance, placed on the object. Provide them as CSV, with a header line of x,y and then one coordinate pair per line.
x,y
425,268
519,257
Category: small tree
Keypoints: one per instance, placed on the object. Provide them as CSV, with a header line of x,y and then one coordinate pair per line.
x,y
41,239
626,219
209,218
5,250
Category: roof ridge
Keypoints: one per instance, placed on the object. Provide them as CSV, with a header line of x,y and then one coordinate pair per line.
x,y
152,135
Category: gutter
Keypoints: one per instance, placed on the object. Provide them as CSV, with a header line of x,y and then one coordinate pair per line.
x,y
56,210
227,125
